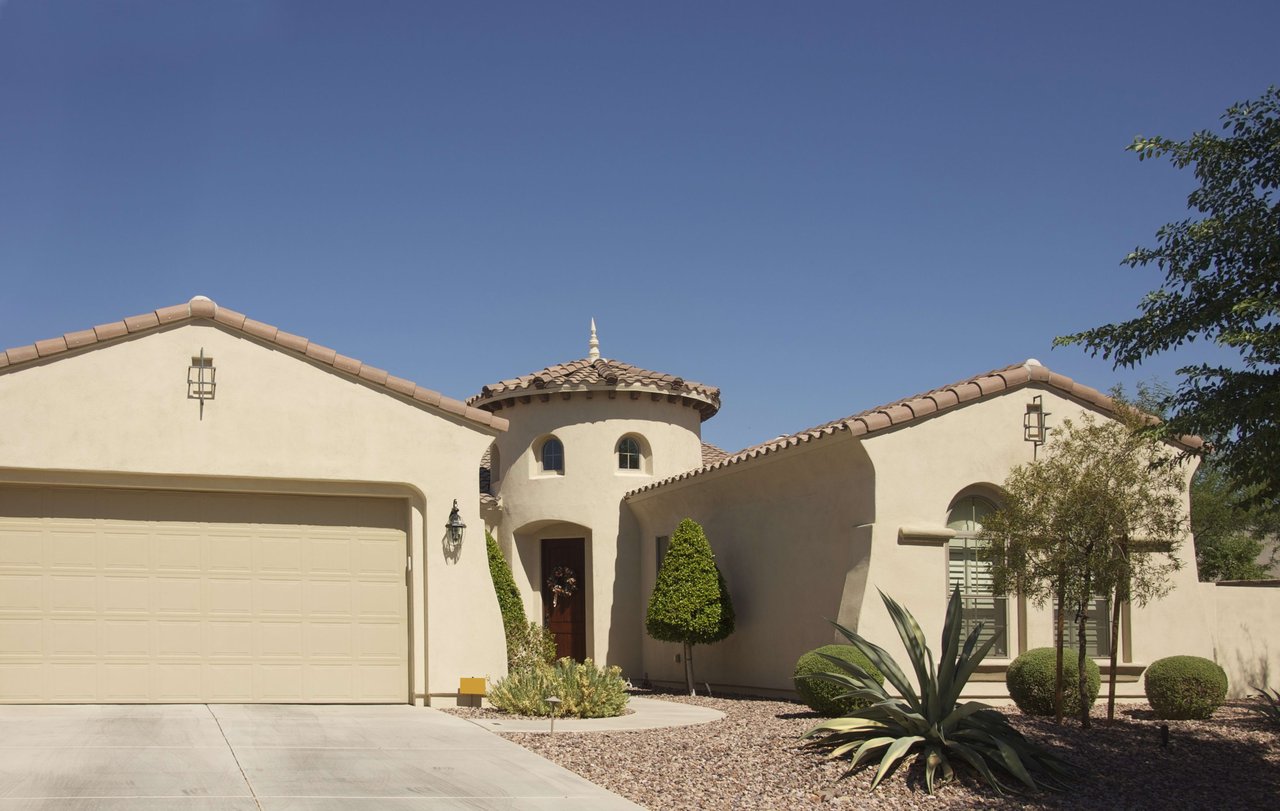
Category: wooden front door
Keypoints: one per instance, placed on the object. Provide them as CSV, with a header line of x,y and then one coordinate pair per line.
x,y
565,614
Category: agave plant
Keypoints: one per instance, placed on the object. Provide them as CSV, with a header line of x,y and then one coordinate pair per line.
x,y
930,722
1267,705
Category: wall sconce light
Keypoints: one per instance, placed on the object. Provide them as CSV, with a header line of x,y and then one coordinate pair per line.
x,y
201,380
1033,424
457,529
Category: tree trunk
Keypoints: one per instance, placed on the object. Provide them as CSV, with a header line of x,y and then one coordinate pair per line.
x,y
1058,643
1115,646
688,667
1083,685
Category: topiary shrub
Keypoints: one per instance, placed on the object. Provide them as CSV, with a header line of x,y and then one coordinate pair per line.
x,y
1031,680
1185,687
823,696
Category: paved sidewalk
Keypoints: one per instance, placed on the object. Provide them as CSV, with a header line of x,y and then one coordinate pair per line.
x,y
647,713
195,757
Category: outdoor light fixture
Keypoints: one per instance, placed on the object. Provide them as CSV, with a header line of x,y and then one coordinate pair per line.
x,y
457,529
1033,424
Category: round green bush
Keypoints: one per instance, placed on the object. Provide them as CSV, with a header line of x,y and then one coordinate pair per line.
x,y
821,695
1185,687
1032,679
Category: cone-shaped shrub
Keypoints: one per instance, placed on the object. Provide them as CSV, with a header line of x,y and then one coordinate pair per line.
x,y
690,603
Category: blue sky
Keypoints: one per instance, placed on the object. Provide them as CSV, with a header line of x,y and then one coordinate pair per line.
x,y
818,207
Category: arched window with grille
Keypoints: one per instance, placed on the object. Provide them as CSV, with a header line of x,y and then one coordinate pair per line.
x,y
551,456
967,571
629,454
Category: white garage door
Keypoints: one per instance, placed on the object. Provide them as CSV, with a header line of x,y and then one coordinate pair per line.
x,y
148,596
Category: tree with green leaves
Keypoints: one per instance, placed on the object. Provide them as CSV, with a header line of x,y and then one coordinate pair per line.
x,y
1229,534
1221,284
690,602
1092,516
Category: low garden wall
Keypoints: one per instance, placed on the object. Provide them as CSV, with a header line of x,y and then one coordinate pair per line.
x,y
1244,618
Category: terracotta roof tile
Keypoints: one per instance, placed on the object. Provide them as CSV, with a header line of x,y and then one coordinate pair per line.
x,y
202,308
711,454
51,346
600,372
913,408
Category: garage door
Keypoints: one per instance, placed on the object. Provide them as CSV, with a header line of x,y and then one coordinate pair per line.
x,y
145,596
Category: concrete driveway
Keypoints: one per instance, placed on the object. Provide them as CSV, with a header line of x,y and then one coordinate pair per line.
x,y
240,756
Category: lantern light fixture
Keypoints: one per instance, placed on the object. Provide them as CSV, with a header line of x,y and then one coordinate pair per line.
x,y
457,529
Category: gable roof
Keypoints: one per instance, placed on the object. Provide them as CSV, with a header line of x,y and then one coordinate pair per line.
x,y
201,308
588,374
918,407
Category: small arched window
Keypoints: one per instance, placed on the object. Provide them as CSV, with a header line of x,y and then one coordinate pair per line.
x,y
629,456
551,456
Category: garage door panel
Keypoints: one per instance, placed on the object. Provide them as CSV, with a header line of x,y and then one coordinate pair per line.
x,y
21,593
110,596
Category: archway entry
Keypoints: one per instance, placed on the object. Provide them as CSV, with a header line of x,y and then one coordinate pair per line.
x,y
564,594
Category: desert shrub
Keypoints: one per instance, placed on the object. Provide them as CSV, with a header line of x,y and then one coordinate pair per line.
x,y
928,723
1185,687
529,647
587,691
523,691
584,690
822,695
1031,681
1266,705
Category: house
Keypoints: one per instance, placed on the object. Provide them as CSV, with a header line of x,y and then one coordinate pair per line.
x,y
197,506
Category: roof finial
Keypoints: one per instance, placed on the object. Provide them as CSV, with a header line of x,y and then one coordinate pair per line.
x,y
593,346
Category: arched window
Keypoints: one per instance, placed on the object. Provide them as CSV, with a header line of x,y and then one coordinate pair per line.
x,y
629,457
969,572
551,456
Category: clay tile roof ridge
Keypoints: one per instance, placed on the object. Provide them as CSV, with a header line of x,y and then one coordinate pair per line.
x,y
202,307
881,417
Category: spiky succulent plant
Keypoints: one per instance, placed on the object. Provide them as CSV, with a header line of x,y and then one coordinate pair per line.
x,y
930,722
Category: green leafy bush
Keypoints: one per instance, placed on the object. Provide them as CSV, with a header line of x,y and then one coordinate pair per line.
x,y
584,690
1032,676
1185,687
827,697
514,621
530,647
931,723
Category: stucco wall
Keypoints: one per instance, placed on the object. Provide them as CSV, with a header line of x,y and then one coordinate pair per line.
x,y
1246,633
790,536
586,501
119,416
812,532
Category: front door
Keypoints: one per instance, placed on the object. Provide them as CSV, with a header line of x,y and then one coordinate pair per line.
x,y
564,595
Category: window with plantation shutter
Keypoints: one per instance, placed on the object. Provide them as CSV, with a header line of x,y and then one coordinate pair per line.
x,y
972,576
1097,629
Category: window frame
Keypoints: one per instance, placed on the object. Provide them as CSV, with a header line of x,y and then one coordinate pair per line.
x,y
967,543
543,448
636,455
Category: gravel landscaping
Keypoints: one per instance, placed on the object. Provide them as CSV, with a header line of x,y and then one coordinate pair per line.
x,y
754,758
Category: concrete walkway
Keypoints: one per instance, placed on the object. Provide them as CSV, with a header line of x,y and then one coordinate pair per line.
x,y
647,713
275,757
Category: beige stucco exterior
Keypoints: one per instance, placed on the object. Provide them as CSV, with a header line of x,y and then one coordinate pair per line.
x,y
117,415
586,499
310,444
812,532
